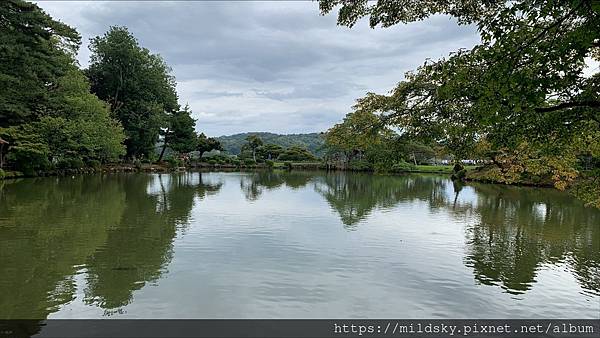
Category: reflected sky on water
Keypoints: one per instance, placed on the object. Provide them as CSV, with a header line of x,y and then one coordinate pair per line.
x,y
293,245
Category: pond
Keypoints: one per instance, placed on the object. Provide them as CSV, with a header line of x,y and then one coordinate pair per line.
x,y
293,245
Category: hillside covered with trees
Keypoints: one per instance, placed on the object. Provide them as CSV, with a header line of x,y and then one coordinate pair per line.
x,y
313,141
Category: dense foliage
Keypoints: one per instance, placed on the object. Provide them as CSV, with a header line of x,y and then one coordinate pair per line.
x,y
137,85
519,99
205,144
361,142
35,51
296,153
56,116
180,134
47,113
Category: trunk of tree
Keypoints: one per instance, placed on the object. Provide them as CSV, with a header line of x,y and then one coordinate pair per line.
x,y
414,158
254,154
162,152
1,156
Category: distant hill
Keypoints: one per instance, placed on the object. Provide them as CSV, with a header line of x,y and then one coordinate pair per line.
x,y
312,141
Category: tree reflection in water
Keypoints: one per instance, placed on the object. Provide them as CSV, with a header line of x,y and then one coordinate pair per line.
x,y
110,228
521,229
139,248
517,229
115,233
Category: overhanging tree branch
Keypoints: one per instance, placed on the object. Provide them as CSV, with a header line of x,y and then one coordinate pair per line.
x,y
571,104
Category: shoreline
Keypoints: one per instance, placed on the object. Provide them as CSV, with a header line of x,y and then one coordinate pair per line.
x,y
577,190
203,166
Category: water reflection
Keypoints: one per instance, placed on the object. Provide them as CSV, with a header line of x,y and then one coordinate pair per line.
x,y
102,238
109,227
39,262
354,196
521,229
255,183
518,229
143,237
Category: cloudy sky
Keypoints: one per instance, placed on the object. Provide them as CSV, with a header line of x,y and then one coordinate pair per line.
x,y
275,66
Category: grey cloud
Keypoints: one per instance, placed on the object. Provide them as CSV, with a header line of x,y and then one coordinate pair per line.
x,y
272,66
324,89
217,94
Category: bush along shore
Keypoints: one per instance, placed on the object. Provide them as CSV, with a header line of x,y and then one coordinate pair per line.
x,y
162,167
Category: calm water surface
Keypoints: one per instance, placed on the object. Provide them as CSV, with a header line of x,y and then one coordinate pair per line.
x,y
293,245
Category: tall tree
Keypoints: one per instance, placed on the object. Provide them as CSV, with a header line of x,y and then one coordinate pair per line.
x,y
78,127
355,134
205,144
47,112
270,151
137,84
180,135
253,142
36,51
522,87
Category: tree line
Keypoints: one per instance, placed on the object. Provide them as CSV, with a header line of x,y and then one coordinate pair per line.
x,y
311,141
255,150
520,100
54,115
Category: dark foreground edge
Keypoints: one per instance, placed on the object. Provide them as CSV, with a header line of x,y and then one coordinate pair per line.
x,y
302,328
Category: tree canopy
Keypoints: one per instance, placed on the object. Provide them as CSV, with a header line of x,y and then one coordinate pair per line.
x,y
522,87
253,142
36,51
137,84
47,112
205,144
296,153
180,134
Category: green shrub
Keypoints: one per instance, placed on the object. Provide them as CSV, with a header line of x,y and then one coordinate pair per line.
x,y
94,164
249,161
70,163
296,153
457,167
288,165
62,164
29,160
270,163
459,175
2,173
587,188
212,162
403,166
382,167
173,162
360,165
221,159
